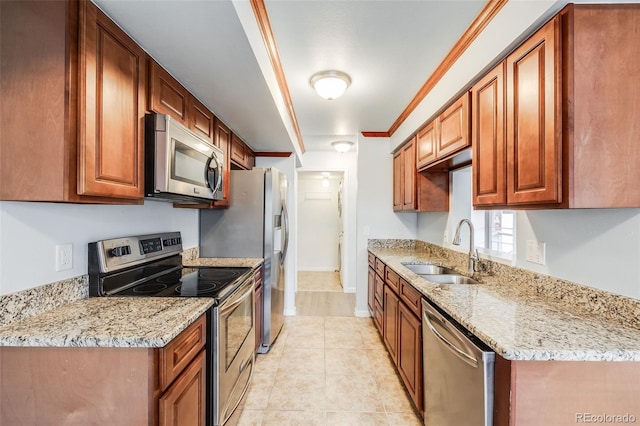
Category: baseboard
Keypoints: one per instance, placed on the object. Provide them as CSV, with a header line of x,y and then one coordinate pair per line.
x,y
290,312
317,269
349,289
362,313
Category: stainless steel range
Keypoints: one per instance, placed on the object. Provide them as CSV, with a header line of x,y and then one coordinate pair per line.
x,y
151,266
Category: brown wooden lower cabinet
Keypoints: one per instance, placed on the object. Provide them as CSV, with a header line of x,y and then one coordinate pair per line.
x,y
532,393
184,402
390,322
371,287
114,386
400,327
410,353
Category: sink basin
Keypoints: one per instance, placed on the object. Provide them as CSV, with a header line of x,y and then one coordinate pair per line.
x,y
449,279
422,269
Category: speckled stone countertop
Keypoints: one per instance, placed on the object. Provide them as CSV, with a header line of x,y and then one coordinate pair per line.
x,y
106,321
115,322
515,320
231,262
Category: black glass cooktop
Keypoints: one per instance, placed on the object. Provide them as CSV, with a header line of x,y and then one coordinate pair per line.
x,y
188,282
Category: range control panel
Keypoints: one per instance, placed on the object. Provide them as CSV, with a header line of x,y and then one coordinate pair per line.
x,y
121,253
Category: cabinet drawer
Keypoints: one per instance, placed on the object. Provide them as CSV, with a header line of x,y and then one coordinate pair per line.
x,y
378,315
410,296
379,289
393,280
372,260
180,351
380,267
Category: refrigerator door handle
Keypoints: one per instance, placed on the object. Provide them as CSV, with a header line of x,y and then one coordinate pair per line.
x,y
285,245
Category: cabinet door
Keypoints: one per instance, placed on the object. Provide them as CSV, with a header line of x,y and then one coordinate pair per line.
x,y
453,133
409,360
533,119
426,141
379,291
200,119
409,176
390,322
222,139
112,106
166,95
371,288
184,403
238,151
487,129
398,165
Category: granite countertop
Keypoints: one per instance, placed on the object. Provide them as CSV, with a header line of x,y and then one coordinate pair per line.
x,y
149,322
231,262
516,322
116,322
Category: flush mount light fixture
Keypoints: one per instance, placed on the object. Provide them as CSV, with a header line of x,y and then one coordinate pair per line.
x,y
342,146
330,84
325,182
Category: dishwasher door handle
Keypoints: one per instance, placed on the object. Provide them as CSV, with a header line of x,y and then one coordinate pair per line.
x,y
457,351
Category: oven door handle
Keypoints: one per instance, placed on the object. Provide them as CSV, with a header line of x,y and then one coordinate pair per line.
x,y
226,308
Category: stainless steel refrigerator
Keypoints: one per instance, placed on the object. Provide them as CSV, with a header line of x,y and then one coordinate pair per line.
x,y
255,225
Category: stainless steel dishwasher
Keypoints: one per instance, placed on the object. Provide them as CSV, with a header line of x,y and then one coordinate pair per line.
x,y
458,373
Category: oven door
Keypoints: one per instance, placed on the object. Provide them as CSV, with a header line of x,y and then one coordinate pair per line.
x,y
236,344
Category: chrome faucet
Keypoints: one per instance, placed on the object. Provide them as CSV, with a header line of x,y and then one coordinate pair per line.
x,y
474,257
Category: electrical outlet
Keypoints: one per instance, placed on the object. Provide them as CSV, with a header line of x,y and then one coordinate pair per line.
x,y
536,252
446,237
64,257
366,230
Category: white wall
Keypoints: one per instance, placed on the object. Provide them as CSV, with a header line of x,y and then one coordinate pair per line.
x,y
599,248
375,215
348,163
29,233
288,167
318,223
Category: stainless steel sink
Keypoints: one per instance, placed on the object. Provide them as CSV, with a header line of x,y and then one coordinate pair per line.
x,y
430,269
449,279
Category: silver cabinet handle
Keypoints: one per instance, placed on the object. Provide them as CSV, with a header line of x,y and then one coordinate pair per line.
x,y
461,354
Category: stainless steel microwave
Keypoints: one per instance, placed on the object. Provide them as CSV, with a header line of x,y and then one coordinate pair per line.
x,y
179,165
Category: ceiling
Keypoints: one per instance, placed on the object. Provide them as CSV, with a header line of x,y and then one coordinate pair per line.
x,y
389,48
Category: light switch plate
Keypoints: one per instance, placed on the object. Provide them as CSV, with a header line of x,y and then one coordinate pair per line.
x,y
536,252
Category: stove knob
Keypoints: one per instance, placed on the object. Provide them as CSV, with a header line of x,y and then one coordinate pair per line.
x,y
120,251
166,242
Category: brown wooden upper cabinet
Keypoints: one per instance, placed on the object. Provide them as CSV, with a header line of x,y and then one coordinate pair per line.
x,y
489,150
413,191
222,139
568,119
242,157
446,135
168,96
74,131
112,107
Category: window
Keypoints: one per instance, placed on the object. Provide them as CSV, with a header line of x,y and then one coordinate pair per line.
x,y
494,229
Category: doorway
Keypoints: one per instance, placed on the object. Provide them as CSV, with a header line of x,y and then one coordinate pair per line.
x,y
320,238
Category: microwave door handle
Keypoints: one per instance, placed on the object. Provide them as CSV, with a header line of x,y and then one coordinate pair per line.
x,y
206,173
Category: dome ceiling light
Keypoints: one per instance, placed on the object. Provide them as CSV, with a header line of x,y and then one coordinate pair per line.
x,y
342,146
330,84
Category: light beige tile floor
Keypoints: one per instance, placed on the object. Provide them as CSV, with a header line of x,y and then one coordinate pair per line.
x,y
319,281
327,371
